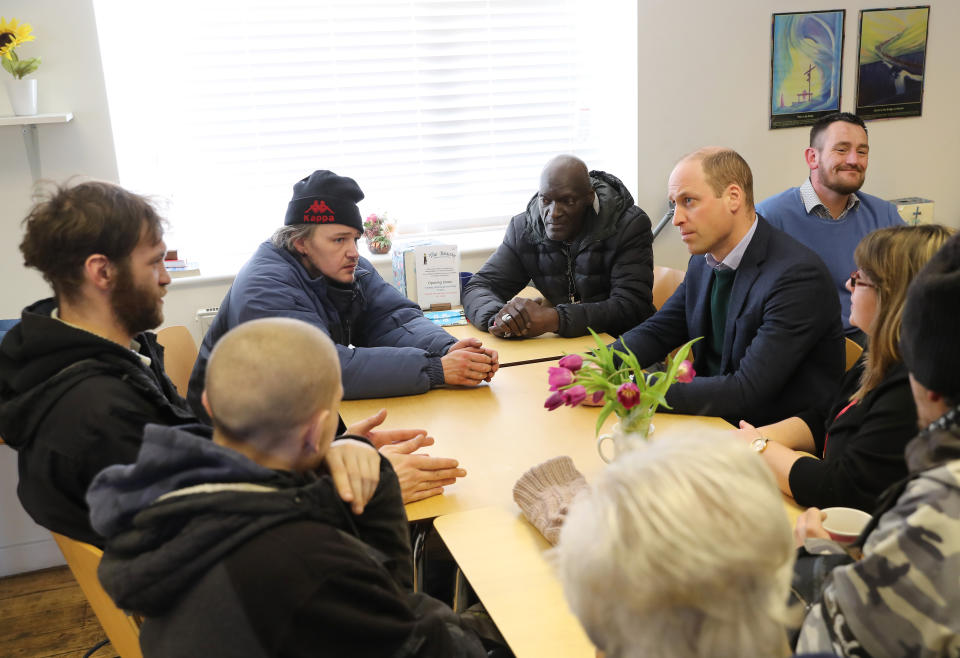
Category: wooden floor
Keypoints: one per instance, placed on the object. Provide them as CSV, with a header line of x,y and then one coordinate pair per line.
x,y
44,613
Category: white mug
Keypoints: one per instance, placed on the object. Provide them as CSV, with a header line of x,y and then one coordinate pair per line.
x,y
844,524
622,442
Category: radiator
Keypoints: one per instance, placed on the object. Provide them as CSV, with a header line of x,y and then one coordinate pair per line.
x,y
205,318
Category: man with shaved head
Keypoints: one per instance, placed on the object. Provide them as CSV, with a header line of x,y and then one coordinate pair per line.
x,y
763,303
273,538
588,250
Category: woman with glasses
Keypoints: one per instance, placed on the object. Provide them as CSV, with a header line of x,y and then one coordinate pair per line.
x,y
858,442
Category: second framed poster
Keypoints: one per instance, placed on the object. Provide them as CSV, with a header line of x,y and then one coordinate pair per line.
x,y
805,68
892,60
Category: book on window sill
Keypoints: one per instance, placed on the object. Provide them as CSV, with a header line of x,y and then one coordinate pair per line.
x,y
190,269
452,318
427,272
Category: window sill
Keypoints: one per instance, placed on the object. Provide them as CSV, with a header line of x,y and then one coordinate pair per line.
x,y
484,241
468,242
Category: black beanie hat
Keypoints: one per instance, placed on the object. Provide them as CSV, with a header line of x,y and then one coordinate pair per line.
x,y
325,198
930,328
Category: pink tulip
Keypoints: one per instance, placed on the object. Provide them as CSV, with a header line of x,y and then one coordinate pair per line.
x,y
628,395
574,395
572,362
559,377
598,397
554,401
685,373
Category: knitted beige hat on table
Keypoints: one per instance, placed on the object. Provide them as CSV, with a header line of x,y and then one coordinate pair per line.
x,y
544,494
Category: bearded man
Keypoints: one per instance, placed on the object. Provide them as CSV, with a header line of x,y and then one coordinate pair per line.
x,y
80,375
828,213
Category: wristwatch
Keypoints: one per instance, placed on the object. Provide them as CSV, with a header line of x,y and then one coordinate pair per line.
x,y
760,443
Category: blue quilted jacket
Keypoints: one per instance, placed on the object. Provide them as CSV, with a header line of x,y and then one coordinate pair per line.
x,y
386,346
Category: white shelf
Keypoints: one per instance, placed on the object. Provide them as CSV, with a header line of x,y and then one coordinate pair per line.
x,y
33,119
28,125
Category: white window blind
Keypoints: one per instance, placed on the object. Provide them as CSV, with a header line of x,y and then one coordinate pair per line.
x,y
444,111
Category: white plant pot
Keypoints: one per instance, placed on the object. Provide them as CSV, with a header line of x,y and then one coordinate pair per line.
x,y
23,96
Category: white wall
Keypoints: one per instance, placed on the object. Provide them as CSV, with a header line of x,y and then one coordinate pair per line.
x,y
704,79
70,80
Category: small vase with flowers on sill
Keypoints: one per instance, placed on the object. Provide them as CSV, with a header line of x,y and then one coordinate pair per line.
x,y
378,230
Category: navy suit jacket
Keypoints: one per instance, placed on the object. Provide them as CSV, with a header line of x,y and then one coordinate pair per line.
x,y
783,349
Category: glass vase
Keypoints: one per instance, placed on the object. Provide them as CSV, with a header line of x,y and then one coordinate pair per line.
x,y
382,247
626,436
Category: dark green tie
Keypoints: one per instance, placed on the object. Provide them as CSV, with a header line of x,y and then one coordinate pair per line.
x,y
720,288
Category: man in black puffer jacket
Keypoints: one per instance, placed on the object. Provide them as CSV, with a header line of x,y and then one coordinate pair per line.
x,y
588,250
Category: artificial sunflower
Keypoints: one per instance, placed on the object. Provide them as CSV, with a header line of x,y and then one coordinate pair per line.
x,y
13,35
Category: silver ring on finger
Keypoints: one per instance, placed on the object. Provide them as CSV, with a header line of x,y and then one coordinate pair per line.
x,y
506,317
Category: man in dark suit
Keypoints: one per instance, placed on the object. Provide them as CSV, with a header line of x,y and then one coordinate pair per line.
x,y
764,304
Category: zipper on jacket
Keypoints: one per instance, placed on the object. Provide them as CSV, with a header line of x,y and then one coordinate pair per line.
x,y
571,283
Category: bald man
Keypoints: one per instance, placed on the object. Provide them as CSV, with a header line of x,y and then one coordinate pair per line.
x,y
273,538
586,247
763,303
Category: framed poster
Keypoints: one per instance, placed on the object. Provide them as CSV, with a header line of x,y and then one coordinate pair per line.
x,y
806,62
892,60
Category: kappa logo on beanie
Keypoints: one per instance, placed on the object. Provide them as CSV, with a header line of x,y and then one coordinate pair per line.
x,y
318,208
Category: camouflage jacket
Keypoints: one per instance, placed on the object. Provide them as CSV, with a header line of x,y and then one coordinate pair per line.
x,y
903,597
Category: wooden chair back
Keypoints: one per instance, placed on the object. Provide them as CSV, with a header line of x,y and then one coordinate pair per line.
x,y
853,352
179,355
665,282
121,629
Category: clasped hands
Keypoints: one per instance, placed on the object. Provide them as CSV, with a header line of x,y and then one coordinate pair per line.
x,y
522,317
468,363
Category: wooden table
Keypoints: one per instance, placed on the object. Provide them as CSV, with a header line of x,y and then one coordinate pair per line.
x,y
498,431
504,559
519,351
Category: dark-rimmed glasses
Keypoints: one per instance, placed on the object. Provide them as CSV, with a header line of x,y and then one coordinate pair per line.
x,y
857,280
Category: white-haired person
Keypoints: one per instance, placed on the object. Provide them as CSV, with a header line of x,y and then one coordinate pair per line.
x,y
680,549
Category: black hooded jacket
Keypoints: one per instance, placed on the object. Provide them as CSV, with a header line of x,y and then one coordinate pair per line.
x,y
607,269
71,404
226,557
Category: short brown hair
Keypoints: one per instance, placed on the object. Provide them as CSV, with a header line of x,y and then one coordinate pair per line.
x,y
820,127
723,167
71,223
